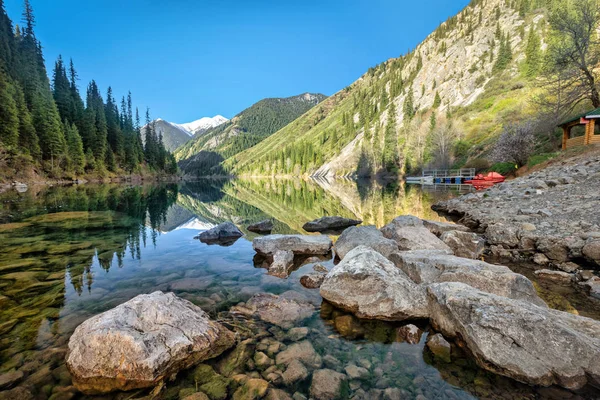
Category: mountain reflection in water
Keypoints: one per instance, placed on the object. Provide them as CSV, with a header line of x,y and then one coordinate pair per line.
x,y
68,253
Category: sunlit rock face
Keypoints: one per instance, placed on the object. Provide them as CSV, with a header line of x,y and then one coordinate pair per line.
x,y
142,342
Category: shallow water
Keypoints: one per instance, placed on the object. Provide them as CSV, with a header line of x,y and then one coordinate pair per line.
x,y
67,253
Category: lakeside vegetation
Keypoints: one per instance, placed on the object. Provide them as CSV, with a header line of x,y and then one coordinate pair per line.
x,y
46,128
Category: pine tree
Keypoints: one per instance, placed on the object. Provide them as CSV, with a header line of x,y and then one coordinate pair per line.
x,y
437,101
74,149
9,117
409,106
533,54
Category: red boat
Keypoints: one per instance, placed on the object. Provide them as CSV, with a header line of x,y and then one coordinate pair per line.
x,y
485,181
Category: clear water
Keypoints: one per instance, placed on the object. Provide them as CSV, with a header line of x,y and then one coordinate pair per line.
x,y
67,253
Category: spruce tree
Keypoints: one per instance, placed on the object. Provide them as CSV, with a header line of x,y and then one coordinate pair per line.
x,y
533,54
9,117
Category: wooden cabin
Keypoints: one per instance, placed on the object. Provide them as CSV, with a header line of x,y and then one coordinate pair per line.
x,y
582,130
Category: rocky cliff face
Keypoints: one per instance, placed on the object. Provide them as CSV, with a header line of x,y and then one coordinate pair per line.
x,y
467,76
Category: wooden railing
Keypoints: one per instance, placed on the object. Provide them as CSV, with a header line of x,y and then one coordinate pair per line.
x,y
449,173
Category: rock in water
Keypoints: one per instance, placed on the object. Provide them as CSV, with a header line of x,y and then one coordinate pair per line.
x,y
330,224
276,310
464,244
370,286
312,281
409,233
283,262
223,234
297,244
429,266
440,347
142,342
366,236
328,385
265,226
531,344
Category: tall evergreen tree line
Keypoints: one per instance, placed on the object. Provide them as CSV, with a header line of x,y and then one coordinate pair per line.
x,y
47,122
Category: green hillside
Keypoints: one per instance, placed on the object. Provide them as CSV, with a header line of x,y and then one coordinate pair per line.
x,y
203,155
442,105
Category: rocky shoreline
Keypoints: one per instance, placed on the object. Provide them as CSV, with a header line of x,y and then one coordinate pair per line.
x,y
549,217
410,271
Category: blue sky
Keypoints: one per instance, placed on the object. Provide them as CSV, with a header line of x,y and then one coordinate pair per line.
x,y
187,59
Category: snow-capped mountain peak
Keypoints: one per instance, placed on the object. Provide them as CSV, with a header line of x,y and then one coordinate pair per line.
x,y
202,124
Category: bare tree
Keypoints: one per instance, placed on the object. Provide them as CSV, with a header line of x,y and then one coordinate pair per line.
x,y
573,53
515,144
443,138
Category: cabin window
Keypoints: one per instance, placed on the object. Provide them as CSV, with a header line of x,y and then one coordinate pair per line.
x,y
597,127
577,131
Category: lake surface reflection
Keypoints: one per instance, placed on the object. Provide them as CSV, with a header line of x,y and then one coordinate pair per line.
x,y
67,253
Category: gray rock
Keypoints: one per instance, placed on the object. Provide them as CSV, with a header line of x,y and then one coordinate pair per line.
x,y
141,342
464,244
410,334
531,344
313,281
593,285
591,251
225,233
540,259
439,347
438,228
502,234
370,286
409,233
320,268
328,385
297,334
355,372
277,310
277,394
366,236
295,372
297,244
426,267
283,262
568,267
554,276
265,226
330,224
303,352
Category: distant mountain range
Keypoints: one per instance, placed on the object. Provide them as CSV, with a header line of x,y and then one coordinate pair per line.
x,y
176,135
204,154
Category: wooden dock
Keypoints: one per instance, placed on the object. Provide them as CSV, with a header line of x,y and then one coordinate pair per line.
x,y
445,176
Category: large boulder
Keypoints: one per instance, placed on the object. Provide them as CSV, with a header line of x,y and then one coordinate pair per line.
x,y
464,244
297,244
366,236
330,224
429,266
518,339
142,342
409,233
370,286
265,226
277,310
223,234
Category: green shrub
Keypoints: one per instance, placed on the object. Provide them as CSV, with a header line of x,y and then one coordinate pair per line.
x,y
540,158
480,164
504,168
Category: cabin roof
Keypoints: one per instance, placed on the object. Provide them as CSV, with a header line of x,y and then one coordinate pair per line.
x,y
593,114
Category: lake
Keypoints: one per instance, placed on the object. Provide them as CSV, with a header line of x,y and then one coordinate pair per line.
x,y
68,253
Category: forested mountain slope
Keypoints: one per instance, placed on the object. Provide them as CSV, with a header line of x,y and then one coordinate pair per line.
x,y
47,129
204,154
443,104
